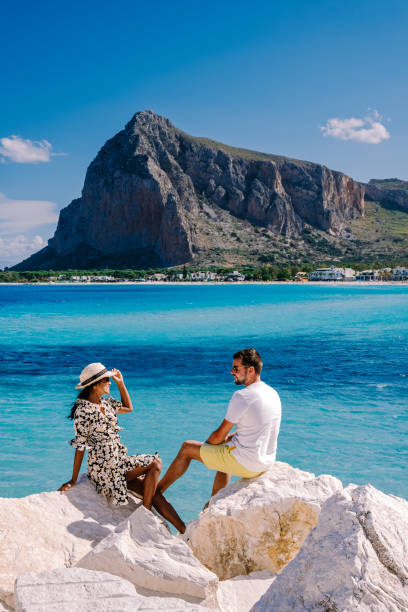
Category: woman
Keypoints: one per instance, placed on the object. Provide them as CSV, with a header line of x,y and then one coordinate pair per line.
x,y
110,468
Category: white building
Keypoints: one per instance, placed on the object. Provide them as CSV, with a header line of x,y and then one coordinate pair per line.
x,y
203,276
368,275
81,279
332,274
235,276
400,274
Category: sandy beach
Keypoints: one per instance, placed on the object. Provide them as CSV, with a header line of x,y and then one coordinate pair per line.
x,y
212,283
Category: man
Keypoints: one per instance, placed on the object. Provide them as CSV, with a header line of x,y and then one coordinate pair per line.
x,y
251,450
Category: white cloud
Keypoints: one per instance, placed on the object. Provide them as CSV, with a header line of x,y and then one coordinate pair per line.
x,y
369,130
16,248
18,216
25,151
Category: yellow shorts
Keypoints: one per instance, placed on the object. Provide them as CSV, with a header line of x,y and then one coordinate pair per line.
x,y
219,457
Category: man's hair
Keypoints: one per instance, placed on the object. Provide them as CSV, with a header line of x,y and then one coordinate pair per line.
x,y
250,357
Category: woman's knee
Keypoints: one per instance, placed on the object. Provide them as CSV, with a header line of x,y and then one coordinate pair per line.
x,y
156,465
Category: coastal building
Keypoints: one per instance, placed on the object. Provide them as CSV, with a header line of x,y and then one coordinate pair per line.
x,y
103,278
80,279
368,275
203,276
301,277
400,274
235,276
332,274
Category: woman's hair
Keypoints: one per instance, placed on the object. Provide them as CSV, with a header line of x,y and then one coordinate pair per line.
x,y
84,394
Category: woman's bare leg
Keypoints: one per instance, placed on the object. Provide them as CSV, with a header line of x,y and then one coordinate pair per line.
x,y
160,503
164,507
151,479
150,482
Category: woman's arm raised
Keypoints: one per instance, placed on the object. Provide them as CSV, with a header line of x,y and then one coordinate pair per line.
x,y
79,455
124,395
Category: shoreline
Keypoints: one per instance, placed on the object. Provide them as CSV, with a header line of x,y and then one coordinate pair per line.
x,y
216,283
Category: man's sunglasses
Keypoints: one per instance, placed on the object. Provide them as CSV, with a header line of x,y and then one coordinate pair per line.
x,y
236,368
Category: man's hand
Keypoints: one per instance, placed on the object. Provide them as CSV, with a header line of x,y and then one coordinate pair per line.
x,y
219,435
67,485
229,437
117,377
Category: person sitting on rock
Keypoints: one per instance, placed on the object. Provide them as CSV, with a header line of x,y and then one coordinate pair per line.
x,y
110,468
251,450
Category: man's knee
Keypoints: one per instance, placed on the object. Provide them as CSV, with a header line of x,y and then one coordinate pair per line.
x,y
184,449
189,449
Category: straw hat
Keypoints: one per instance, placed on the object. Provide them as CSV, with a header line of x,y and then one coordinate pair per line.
x,y
91,374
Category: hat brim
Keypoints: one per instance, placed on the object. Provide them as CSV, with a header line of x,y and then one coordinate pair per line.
x,y
103,375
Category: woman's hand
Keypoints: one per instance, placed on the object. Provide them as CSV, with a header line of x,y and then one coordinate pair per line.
x,y
124,395
117,377
67,485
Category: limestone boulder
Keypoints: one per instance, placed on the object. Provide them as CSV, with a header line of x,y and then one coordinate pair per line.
x,y
80,590
143,551
49,530
261,523
355,559
239,594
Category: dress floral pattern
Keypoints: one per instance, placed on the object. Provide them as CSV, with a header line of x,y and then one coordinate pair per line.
x,y
108,460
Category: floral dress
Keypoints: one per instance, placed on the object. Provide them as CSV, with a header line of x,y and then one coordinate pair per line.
x,y
108,460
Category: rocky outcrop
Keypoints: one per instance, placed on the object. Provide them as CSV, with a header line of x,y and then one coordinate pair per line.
x,y
156,196
260,524
80,590
143,551
320,547
50,530
355,559
391,193
239,594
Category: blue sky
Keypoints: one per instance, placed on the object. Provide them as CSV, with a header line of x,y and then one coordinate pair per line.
x,y
266,76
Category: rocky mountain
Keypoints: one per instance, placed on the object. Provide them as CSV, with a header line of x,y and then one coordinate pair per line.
x,y
391,193
155,196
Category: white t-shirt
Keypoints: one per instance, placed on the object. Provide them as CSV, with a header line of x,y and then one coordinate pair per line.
x,y
256,410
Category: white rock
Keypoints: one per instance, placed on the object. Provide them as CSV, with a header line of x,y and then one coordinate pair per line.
x,y
355,559
143,551
261,523
49,530
239,594
7,590
80,590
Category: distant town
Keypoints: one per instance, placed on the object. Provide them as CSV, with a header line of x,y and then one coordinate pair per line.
x,y
266,273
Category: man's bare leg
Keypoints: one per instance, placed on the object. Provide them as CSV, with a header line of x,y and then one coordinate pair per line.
x,y
221,480
189,450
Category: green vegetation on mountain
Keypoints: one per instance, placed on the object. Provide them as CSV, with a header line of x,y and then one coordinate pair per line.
x,y
238,152
391,183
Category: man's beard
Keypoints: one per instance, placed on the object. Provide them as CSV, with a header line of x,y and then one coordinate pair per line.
x,y
239,381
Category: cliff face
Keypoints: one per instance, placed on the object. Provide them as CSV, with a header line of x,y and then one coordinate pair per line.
x,y
155,196
392,193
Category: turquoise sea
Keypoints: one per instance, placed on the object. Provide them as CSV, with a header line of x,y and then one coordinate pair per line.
x,y
337,355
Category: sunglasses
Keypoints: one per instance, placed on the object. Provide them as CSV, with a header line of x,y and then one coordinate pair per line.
x,y
236,368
